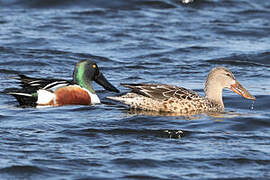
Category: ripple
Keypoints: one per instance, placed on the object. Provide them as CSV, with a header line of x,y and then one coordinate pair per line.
x,y
244,60
163,133
16,169
97,12
138,41
234,62
94,3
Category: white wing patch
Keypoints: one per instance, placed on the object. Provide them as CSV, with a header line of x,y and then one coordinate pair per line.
x,y
55,85
45,97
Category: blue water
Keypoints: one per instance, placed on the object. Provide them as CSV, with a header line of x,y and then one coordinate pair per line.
x,y
136,41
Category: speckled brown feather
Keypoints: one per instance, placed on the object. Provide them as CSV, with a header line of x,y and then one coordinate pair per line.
x,y
165,98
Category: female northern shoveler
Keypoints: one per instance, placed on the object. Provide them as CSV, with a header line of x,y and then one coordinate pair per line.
x,y
166,98
57,92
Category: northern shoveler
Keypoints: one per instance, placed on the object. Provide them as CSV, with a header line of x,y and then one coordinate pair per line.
x,y
167,98
58,92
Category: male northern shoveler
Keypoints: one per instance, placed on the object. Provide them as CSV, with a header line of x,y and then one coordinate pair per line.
x,y
166,98
58,92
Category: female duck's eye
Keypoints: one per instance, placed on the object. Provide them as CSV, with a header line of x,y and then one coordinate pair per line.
x,y
228,75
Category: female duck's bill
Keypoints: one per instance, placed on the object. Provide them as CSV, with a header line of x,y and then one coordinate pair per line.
x,y
58,92
239,89
167,98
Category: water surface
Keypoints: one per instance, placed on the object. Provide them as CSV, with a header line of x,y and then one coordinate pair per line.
x,y
137,41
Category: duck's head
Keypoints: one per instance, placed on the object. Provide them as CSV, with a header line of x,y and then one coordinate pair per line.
x,y
87,71
223,78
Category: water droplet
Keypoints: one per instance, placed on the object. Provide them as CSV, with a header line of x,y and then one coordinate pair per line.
x,y
252,105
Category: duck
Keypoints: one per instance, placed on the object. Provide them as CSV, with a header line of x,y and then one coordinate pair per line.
x,y
59,92
170,98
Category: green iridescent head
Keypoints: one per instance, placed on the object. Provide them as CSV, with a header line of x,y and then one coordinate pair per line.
x,y
87,71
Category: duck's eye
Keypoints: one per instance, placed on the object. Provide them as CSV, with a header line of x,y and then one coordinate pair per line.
x,y
94,66
228,75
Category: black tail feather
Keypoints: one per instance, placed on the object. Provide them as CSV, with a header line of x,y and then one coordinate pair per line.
x,y
25,101
24,98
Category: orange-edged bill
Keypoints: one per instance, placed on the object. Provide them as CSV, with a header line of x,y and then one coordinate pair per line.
x,y
239,89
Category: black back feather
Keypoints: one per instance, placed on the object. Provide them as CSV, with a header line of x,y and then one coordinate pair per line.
x,y
25,95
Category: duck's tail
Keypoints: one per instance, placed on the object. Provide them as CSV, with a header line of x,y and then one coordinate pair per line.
x,y
24,98
129,98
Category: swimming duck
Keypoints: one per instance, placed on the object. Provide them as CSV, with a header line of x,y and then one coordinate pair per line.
x,y
59,92
168,98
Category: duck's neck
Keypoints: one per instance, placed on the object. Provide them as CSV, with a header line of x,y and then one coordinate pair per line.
x,y
213,92
80,79
86,85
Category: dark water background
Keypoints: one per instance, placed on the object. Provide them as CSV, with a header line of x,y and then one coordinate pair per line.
x,y
136,41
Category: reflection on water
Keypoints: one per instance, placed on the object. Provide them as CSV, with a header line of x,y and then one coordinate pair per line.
x,y
188,116
160,113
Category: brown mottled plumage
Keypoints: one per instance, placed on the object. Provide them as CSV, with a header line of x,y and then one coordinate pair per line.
x,y
167,98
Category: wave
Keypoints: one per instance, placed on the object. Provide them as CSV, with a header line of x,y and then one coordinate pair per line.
x,y
257,59
163,133
21,170
122,4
